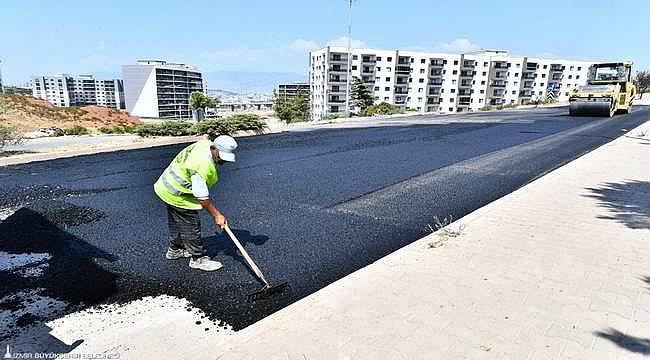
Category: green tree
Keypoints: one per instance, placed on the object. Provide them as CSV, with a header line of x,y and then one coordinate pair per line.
x,y
361,95
292,108
199,101
642,81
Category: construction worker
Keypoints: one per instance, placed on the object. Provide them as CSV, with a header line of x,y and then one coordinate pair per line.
x,y
183,186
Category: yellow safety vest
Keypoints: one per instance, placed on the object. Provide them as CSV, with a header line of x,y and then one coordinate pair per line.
x,y
174,186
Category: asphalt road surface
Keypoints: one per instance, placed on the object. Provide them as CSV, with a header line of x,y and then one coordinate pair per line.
x,y
310,206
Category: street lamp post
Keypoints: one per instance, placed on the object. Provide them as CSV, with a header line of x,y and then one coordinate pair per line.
x,y
349,69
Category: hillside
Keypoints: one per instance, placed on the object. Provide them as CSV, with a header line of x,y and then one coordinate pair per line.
x,y
30,114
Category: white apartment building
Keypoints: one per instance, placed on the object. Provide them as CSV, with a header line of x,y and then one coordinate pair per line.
x,y
66,90
159,89
439,82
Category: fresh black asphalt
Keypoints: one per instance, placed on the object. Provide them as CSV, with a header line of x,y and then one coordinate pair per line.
x,y
310,206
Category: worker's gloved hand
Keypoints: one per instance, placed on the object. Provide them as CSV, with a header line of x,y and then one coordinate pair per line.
x,y
221,221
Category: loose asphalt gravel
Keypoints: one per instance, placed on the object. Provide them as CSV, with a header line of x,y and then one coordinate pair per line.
x,y
310,206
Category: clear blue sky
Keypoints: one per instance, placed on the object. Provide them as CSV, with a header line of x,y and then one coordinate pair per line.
x,y
48,37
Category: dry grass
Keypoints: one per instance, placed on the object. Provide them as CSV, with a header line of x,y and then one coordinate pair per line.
x,y
29,114
444,230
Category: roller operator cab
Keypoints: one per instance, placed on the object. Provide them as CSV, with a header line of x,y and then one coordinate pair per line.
x,y
609,89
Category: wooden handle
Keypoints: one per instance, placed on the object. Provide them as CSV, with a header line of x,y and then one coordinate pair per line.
x,y
247,257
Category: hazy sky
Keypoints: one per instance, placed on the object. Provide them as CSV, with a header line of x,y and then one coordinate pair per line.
x,y
49,37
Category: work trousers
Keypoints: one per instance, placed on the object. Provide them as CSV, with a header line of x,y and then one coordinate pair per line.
x,y
185,230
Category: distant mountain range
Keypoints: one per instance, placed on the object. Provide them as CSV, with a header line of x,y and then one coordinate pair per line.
x,y
242,82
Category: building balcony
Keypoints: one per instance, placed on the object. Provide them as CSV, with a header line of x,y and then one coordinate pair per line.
x,y
556,77
527,84
336,101
334,90
401,83
498,93
531,66
433,101
557,67
338,58
403,70
525,93
401,92
368,80
500,75
499,84
465,84
368,60
469,64
336,69
500,65
337,80
434,82
466,74
464,101
437,63
529,76
464,92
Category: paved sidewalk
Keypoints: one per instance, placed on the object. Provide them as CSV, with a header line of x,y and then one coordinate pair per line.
x,y
556,270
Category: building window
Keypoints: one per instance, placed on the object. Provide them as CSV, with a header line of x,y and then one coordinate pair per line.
x,y
355,57
455,62
386,98
483,82
354,67
419,89
389,69
484,73
410,80
577,77
451,109
454,72
579,68
378,68
541,84
543,76
545,66
376,88
422,61
514,92
482,91
421,80
389,59
451,99
566,94
571,67
480,100
378,58
570,76
421,71
485,64
387,78
387,88
453,91
516,74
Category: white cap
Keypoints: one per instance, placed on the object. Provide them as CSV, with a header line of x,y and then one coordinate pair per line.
x,y
226,146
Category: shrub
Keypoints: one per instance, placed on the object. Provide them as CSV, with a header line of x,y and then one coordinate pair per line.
x,y
76,130
486,108
9,136
120,129
167,128
382,108
229,125
335,116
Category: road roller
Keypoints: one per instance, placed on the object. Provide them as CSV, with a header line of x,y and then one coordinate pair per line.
x,y
609,89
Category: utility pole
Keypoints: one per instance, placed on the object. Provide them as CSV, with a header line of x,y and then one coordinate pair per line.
x,y
349,69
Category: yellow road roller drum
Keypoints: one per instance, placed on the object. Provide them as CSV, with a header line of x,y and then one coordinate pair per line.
x,y
609,89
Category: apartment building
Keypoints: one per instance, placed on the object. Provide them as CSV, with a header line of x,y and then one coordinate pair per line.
x,y
440,82
160,89
290,90
67,90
